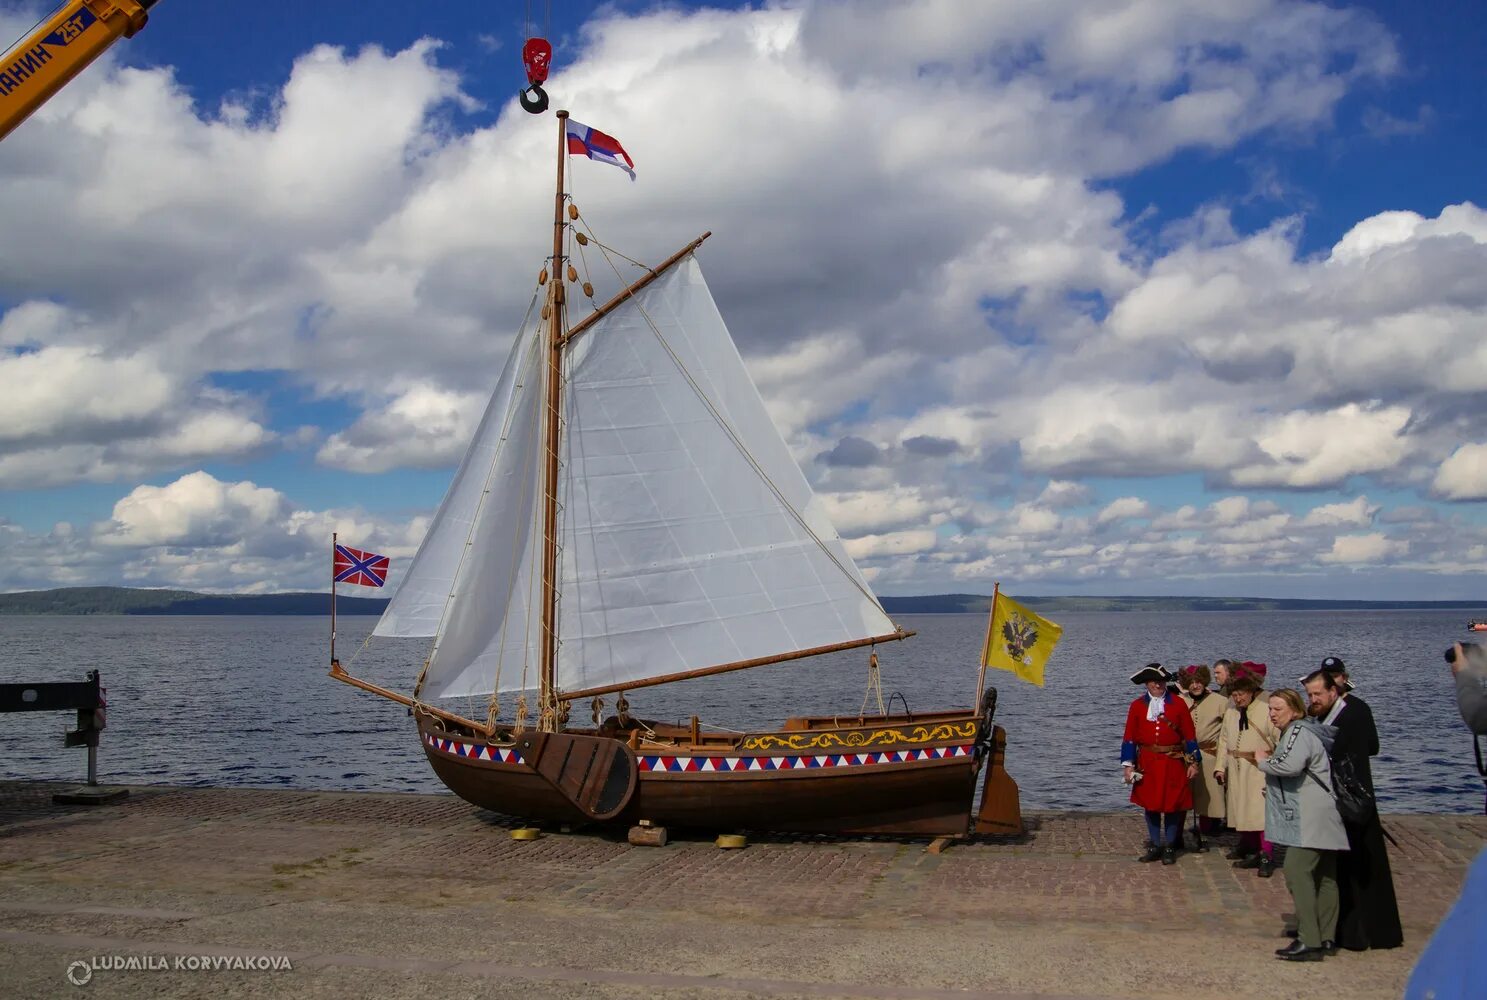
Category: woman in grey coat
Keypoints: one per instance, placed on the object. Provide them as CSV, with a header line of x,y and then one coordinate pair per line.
x,y
1301,814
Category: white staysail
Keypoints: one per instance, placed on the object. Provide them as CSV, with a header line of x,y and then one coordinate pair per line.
x,y
473,572
688,537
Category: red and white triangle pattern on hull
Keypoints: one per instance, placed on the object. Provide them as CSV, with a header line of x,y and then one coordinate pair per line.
x,y
717,765
705,765
474,751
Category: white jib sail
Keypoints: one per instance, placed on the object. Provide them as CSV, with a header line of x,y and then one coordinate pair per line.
x,y
688,535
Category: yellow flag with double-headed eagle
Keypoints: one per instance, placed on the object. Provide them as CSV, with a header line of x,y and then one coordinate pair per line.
x,y
1019,640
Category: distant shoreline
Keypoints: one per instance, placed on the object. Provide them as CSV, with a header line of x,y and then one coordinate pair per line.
x,y
135,601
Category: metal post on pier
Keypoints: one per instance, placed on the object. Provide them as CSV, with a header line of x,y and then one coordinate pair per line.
x,y
87,697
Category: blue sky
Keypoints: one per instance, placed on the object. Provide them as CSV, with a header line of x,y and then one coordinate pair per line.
x,y
1189,294
1410,142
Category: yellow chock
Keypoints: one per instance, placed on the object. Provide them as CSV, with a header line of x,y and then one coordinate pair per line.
x,y
525,833
731,841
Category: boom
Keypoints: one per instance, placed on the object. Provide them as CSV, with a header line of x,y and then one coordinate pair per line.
x,y
43,62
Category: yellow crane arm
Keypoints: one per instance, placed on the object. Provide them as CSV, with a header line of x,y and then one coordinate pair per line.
x,y
40,64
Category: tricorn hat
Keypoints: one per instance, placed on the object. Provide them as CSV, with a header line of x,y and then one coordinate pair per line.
x,y
1151,672
1195,672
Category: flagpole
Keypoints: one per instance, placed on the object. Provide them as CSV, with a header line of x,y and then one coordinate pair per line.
x,y
333,597
996,592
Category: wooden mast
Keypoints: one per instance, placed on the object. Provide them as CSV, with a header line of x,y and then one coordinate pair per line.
x,y
547,702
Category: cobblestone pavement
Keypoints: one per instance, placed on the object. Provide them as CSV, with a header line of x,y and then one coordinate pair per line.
x,y
412,896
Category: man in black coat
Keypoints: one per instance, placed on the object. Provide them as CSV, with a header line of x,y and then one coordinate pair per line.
x,y
1368,914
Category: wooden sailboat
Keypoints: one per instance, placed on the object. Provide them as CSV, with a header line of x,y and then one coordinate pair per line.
x,y
627,515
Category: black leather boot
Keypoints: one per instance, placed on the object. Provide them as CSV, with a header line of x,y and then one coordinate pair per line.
x,y
1298,952
1153,853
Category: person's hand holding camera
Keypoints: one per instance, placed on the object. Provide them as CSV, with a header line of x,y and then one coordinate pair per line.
x,y
1469,666
1461,655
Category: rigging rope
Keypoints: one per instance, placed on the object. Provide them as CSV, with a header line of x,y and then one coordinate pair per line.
x,y
361,649
546,18
27,33
422,676
874,686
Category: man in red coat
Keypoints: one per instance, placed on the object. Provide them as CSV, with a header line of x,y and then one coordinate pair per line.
x,y
1159,755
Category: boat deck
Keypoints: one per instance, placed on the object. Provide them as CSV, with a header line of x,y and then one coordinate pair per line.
x,y
423,895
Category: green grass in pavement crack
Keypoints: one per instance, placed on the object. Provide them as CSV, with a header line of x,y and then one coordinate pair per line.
x,y
345,857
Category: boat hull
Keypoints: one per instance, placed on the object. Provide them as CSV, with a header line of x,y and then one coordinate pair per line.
x,y
894,776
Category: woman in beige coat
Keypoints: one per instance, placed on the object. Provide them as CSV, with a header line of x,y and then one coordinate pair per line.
x,y
1246,728
1207,709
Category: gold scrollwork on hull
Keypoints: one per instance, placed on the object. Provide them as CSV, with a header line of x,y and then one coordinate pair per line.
x,y
858,738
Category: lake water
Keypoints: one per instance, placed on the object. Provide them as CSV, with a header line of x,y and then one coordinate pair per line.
x,y
246,700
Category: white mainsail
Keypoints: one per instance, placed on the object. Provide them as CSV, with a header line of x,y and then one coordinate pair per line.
x,y
684,528
688,535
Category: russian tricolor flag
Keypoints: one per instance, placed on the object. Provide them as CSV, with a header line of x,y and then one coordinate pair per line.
x,y
598,146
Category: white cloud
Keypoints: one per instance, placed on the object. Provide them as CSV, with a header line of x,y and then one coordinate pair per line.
x,y
1358,513
1232,510
424,427
1324,449
1062,493
195,510
877,512
819,377
1371,548
61,389
1125,430
74,413
1030,329
1032,520
1393,229
199,532
899,543
1123,509
1463,476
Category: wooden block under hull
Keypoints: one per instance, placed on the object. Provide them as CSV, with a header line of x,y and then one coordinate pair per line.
x,y
647,836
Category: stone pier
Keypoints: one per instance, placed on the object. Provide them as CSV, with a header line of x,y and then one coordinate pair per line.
x,y
425,896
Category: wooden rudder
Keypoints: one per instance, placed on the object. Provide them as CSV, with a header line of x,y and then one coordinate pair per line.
x,y
595,773
1001,808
